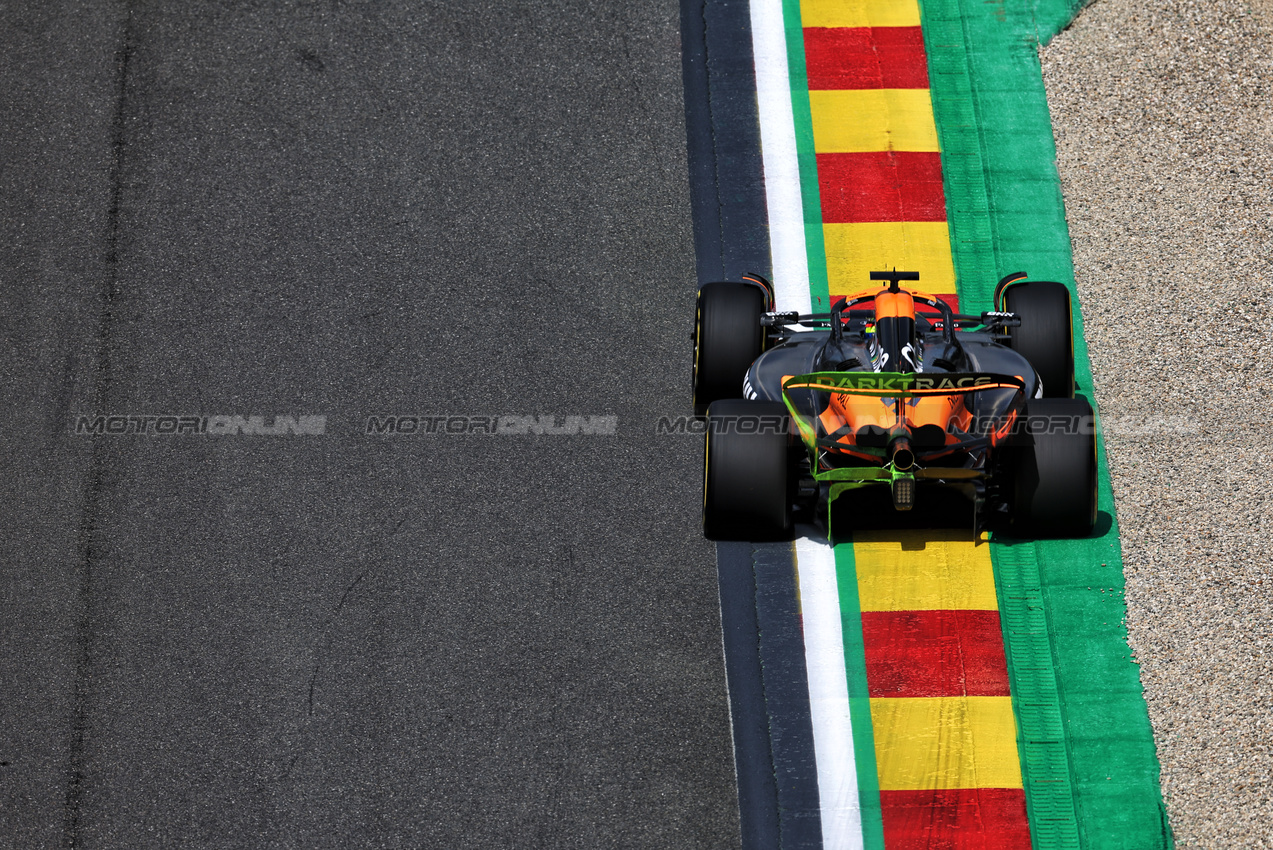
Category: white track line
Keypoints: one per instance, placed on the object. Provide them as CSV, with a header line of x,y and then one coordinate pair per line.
x,y
829,696
819,591
778,153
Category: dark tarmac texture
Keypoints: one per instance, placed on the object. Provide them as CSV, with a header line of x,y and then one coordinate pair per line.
x,y
351,209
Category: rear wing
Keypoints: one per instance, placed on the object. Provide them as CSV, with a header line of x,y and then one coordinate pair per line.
x,y
902,384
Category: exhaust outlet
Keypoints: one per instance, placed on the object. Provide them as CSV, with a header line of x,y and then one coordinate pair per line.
x,y
901,454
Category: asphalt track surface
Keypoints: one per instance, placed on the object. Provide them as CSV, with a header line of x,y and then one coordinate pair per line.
x,y
351,209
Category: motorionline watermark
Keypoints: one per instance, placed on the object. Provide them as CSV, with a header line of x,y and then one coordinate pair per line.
x,y
1036,424
507,424
502,425
219,425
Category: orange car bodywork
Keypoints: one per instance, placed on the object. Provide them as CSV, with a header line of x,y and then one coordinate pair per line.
x,y
948,412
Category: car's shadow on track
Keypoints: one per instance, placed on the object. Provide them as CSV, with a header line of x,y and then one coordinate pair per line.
x,y
870,509
934,509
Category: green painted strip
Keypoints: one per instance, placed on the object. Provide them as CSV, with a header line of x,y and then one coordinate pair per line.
x,y
1052,16
810,193
859,698
967,205
1045,766
1087,750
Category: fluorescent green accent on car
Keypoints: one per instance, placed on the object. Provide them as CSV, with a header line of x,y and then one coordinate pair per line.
x,y
902,384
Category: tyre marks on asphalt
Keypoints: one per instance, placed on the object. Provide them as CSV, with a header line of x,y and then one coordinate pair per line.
x,y
87,596
384,236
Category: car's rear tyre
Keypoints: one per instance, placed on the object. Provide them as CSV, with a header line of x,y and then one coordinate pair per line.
x,y
747,481
1046,335
1054,470
727,337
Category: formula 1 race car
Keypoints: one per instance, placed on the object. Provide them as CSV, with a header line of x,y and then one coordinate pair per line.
x,y
894,391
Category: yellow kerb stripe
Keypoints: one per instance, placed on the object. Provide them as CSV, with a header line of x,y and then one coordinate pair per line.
x,y
864,120
859,13
945,742
855,250
921,571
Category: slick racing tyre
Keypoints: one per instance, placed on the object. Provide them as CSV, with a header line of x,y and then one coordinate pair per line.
x,y
1054,470
747,485
727,338
1046,336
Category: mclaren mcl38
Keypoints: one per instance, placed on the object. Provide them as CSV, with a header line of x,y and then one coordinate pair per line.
x,y
892,393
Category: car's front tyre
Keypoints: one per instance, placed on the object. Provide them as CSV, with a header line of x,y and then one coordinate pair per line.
x,y
1045,336
728,336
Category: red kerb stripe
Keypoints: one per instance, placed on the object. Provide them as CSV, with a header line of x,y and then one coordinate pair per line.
x,y
934,654
865,58
963,819
881,186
